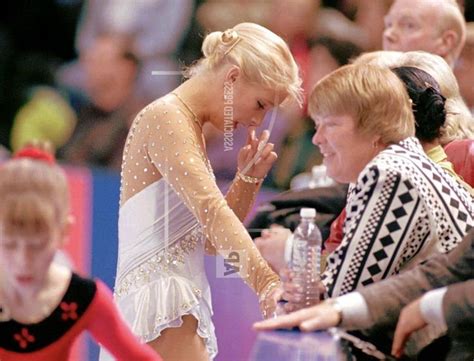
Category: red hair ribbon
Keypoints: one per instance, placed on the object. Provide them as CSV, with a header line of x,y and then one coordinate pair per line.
x,y
35,153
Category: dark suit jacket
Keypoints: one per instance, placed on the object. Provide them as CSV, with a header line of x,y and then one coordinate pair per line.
x,y
455,270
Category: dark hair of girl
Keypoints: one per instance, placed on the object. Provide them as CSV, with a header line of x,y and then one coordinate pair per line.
x,y
428,103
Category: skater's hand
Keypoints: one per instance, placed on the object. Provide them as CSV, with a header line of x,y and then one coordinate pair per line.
x,y
293,293
255,145
269,301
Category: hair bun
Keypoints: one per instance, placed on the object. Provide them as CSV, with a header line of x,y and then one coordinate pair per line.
x,y
432,105
36,151
431,97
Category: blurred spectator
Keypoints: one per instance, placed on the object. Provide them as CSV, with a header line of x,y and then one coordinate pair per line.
x,y
464,69
216,15
434,26
46,116
293,21
328,54
35,37
155,30
357,21
110,70
104,116
297,153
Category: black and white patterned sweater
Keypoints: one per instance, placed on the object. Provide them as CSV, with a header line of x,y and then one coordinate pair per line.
x,y
402,209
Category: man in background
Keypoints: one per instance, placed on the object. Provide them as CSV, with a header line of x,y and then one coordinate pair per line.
x,y
434,26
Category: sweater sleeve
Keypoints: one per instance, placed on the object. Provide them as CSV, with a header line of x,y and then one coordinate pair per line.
x,y
458,306
386,299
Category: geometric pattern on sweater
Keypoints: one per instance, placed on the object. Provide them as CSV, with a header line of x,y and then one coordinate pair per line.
x,y
402,208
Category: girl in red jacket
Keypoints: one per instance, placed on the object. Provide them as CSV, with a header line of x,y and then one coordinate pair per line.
x,y
44,307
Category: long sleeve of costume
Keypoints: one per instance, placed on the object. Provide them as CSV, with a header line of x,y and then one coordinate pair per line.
x,y
175,149
240,198
380,211
110,330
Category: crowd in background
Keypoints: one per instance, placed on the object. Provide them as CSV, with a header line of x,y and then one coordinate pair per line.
x,y
76,72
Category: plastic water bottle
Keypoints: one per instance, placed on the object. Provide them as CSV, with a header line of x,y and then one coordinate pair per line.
x,y
319,178
314,179
305,260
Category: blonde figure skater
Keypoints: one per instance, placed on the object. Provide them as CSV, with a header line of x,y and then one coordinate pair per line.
x,y
171,208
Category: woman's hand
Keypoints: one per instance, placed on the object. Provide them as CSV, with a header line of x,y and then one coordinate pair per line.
x,y
269,301
254,145
293,293
318,317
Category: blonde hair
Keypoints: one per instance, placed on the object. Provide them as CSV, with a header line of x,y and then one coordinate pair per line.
x,y
382,58
373,95
35,197
459,121
262,56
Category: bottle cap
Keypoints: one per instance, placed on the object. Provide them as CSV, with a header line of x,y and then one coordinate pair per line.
x,y
319,171
308,212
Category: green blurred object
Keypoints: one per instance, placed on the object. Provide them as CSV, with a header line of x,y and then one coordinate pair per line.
x,y
46,116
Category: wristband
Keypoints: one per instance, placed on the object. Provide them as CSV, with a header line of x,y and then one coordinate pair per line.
x,y
249,179
265,293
